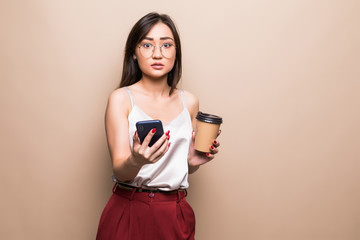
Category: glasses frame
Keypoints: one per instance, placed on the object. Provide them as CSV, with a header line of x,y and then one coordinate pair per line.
x,y
153,50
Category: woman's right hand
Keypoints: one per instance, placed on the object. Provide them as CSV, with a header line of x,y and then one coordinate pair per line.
x,y
143,154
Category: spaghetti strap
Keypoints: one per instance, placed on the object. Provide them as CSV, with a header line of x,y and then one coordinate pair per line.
x,y
182,98
131,96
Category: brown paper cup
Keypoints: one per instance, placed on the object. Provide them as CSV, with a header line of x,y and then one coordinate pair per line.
x,y
207,129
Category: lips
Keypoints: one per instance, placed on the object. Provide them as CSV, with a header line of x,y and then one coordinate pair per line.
x,y
157,66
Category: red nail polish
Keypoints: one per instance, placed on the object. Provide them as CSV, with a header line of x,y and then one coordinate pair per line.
x,y
169,144
207,154
135,132
168,132
168,137
212,147
215,142
153,130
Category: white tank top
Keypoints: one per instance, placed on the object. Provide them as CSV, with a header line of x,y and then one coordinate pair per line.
x,y
171,171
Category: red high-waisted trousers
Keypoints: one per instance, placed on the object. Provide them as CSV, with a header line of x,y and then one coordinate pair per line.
x,y
131,215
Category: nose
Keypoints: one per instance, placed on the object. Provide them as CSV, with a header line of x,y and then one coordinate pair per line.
x,y
157,52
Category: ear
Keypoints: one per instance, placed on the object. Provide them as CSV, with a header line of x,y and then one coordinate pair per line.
x,y
134,57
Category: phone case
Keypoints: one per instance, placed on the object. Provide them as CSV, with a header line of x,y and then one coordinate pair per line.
x,y
144,127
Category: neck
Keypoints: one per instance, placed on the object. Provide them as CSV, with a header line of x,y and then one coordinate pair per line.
x,y
155,87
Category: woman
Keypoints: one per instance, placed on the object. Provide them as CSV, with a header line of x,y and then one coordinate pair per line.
x,y
150,190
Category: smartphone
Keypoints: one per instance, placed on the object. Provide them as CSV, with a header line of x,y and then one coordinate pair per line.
x,y
144,127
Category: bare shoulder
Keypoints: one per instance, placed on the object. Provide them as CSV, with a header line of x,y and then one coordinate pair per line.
x,y
119,94
119,99
190,98
192,102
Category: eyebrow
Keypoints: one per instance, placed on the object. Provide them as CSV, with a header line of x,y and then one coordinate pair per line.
x,y
162,38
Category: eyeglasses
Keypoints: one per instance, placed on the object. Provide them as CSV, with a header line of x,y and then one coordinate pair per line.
x,y
167,50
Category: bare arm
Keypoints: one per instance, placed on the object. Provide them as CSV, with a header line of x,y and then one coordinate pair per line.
x,y
195,158
127,162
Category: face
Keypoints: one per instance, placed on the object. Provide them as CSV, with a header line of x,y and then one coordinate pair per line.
x,y
156,53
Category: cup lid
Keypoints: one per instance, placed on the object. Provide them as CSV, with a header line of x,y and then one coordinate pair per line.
x,y
209,118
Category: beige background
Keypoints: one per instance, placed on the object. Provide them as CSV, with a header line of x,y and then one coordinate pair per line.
x,y
283,74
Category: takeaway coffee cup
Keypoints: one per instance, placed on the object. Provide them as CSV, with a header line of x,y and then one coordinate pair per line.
x,y
207,130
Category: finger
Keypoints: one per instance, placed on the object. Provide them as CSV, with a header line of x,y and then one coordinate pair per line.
x,y
219,132
152,152
216,143
166,145
160,152
159,142
148,138
136,140
209,156
213,150
192,143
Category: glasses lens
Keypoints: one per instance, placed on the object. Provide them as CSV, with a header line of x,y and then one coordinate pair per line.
x,y
168,51
146,51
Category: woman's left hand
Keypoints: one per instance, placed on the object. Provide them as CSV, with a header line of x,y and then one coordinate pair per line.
x,y
197,158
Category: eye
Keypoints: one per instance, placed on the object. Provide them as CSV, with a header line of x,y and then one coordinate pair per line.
x,y
146,45
167,45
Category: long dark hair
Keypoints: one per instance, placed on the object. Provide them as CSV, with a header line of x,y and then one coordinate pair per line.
x,y
131,71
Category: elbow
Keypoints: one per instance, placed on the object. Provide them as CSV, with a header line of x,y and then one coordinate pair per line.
x,y
121,176
121,171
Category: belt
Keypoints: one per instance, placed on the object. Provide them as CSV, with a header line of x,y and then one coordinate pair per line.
x,y
131,188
